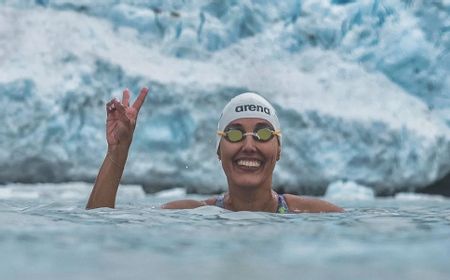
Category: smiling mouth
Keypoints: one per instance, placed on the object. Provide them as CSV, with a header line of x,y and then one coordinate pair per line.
x,y
246,163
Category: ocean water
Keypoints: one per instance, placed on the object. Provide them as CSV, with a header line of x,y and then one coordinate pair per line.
x,y
46,233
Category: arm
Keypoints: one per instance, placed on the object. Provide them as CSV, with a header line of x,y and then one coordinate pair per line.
x,y
301,204
120,124
188,203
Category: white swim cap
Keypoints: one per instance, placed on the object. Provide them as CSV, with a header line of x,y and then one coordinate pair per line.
x,y
247,105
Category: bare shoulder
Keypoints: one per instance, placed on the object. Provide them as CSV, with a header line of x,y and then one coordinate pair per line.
x,y
304,204
188,203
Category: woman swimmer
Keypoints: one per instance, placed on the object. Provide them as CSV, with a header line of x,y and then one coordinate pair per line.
x,y
248,145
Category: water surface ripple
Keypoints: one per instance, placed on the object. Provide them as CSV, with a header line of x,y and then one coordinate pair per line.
x,y
55,238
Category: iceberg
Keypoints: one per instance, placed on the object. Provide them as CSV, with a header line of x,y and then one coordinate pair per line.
x,y
348,191
361,88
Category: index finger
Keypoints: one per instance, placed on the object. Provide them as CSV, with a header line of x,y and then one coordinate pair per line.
x,y
126,97
141,98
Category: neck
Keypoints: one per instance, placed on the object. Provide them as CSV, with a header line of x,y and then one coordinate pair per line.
x,y
242,199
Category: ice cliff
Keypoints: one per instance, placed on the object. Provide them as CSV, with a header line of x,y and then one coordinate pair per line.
x,y
361,88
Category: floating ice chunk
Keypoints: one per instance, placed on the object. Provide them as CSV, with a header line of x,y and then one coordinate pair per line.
x,y
131,192
349,191
9,193
417,196
63,191
175,192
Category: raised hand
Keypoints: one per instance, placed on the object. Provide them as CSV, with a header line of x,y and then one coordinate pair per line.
x,y
121,119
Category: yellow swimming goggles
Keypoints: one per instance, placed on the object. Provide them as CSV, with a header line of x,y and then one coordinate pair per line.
x,y
235,135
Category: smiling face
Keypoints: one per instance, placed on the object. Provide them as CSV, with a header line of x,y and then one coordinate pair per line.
x,y
249,163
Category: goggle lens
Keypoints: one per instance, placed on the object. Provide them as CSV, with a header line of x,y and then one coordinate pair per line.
x,y
234,135
264,134
261,135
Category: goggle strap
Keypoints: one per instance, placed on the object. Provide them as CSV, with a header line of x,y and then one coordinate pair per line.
x,y
277,133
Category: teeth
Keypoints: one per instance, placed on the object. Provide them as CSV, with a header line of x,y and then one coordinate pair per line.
x,y
249,163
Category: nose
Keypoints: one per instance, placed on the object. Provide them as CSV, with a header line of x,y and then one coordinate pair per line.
x,y
249,144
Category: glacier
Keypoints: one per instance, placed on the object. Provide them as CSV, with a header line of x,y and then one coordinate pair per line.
x,y
361,88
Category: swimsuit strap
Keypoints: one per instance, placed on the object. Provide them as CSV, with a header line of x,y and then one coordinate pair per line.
x,y
281,209
219,200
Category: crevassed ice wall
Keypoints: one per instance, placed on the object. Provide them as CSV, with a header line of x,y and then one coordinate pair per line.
x,y
361,87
